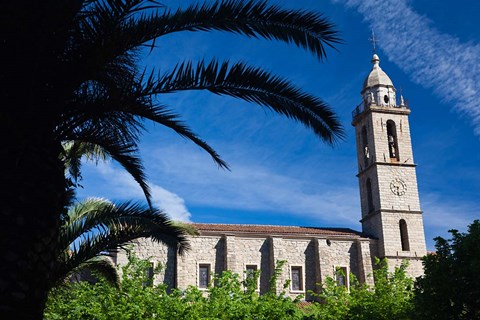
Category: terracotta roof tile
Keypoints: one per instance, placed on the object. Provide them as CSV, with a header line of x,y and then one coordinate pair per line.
x,y
274,230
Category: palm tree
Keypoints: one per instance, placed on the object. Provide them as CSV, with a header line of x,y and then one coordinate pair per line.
x,y
96,226
70,73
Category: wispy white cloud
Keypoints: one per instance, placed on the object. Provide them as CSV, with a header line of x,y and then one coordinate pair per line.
x,y
435,60
445,214
442,214
256,187
118,184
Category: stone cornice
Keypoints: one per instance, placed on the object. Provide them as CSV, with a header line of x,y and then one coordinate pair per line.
x,y
379,109
376,212
400,257
395,164
260,235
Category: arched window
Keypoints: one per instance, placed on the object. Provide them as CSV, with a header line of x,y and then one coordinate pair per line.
x,y
369,195
404,235
366,150
392,141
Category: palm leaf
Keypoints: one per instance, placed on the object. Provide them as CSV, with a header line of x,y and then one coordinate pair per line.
x,y
104,266
187,228
99,266
110,33
73,153
257,19
253,85
123,153
96,225
127,110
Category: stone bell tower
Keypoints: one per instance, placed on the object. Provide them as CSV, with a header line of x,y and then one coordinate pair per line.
x,y
386,172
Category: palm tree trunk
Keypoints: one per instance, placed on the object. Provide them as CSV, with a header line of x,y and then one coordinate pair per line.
x,y
31,206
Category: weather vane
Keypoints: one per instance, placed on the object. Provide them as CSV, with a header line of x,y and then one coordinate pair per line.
x,y
374,41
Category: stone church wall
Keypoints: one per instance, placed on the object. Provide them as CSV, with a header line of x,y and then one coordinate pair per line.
x,y
155,253
316,257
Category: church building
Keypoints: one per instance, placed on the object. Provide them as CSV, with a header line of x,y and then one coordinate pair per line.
x,y
391,217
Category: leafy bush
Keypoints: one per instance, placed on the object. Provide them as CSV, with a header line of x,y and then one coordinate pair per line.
x,y
390,298
230,298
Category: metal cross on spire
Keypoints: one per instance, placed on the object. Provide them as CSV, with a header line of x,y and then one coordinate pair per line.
x,y
374,41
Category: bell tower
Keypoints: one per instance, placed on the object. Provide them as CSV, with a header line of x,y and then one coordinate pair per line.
x,y
386,172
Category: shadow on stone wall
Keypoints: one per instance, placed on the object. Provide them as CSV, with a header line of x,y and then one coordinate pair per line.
x,y
265,265
169,274
219,257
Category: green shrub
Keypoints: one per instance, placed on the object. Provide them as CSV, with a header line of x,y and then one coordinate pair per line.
x,y
390,298
230,298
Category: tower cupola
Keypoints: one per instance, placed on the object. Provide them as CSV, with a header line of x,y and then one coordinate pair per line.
x,y
377,88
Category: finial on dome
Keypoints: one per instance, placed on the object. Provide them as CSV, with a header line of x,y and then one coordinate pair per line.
x,y
375,60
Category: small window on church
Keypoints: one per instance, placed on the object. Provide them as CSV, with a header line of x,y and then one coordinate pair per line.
x,y
203,276
386,99
404,235
392,140
251,275
341,276
369,195
296,278
149,275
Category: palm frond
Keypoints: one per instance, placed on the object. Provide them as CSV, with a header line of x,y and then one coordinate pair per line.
x,y
100,110
256,19
73,153
97,225
109,36
95,218
188,228
104,266
99,266
81,211
253,85
123,153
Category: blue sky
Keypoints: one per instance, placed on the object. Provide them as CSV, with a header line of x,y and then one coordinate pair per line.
x,y
281,173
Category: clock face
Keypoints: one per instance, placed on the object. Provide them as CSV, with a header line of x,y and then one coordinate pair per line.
x,y
398,187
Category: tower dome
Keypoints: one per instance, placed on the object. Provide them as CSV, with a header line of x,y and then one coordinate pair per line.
x,y
377,76
377,88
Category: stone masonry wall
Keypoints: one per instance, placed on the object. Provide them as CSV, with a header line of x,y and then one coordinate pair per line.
x,y
388,207
204,250
253,251
295,252
157,253
317,258
414,269
379,126
338,253
391,235
388,200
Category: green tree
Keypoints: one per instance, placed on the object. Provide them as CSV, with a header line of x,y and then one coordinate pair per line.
x,y
450,287
72,74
